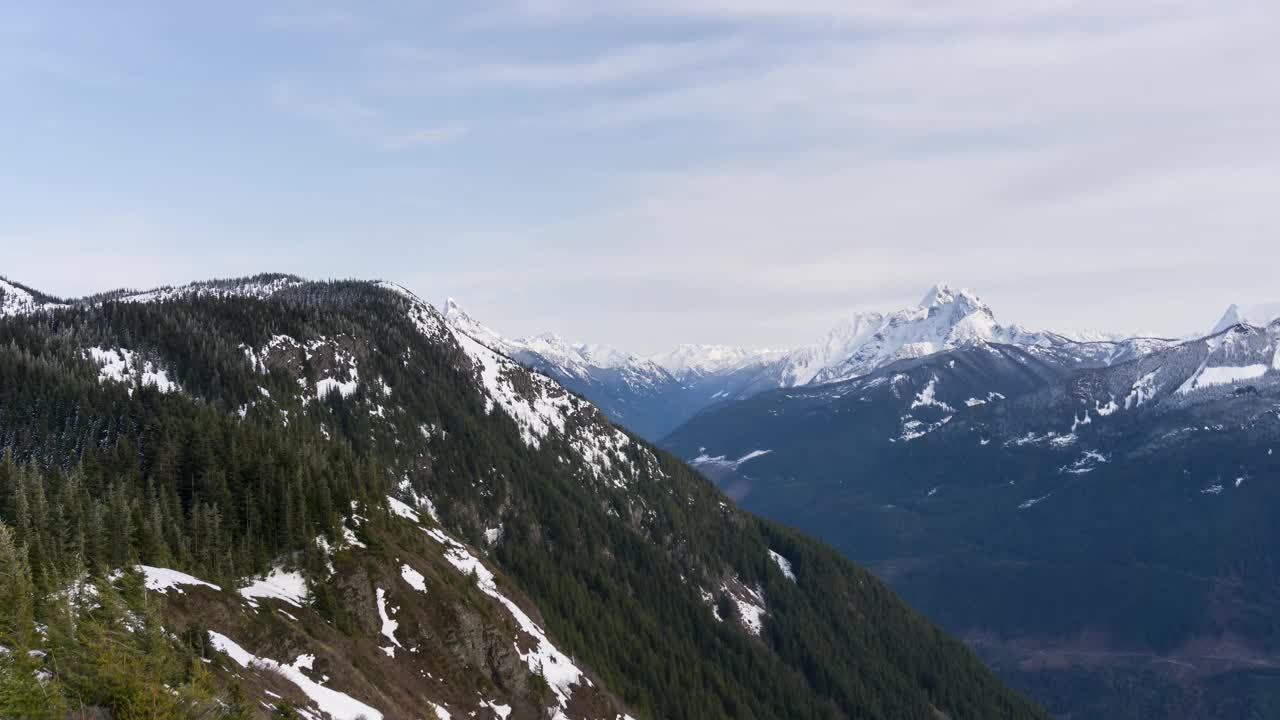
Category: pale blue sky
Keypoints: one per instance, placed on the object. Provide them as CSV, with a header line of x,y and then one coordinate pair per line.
x,y
647,173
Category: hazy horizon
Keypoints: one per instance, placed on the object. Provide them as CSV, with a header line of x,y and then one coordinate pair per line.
x,y
440,304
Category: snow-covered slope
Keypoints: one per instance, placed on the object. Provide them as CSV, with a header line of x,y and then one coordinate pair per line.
x,y
580,360
18,300
631,390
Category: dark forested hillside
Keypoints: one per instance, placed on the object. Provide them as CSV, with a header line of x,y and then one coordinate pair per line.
x,y
325,471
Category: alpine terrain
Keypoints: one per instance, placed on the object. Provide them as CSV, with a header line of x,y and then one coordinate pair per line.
x,y
270,497
1099,519
654,395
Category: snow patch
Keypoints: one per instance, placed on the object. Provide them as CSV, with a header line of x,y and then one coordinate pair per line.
x,y
162,580
721,461
1143,390
415,579
751,610
927,397
388,625
288,586
784,565
338,705
399,508
1222,375
1028,503
123,366
1086,463
502,711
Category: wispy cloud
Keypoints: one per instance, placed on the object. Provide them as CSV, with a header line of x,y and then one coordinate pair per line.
x,y
342,113
361,122
439,135
617,66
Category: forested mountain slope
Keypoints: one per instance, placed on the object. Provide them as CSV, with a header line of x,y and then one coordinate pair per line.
x,y
273,496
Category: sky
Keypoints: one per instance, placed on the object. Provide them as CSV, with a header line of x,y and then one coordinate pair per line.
x,y
651,172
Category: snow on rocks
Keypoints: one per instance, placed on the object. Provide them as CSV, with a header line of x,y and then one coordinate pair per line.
x,y
751,608
927,397
545,659
398,507
124,366
710,601
287,586
991,397
913,428
1143,390
1086,463
784,565
538,412
162,580
540,407
337,705
419,500
1051,438
502,711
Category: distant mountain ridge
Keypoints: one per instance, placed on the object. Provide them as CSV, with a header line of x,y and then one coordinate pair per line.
x,y
654,395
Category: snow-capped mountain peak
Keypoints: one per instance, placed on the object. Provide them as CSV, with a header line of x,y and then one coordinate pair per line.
x,y
1259,315
458,318
943,294
945,318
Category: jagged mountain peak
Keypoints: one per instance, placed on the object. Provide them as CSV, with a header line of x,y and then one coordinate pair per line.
x,y
943,294
1258,315
864,341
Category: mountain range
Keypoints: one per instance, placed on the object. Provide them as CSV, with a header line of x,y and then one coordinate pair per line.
x,y
1094,514
274,497
1105,533
654,395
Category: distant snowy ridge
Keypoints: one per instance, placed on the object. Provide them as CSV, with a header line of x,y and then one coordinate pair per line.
x,y
687,360
574,359
18,300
